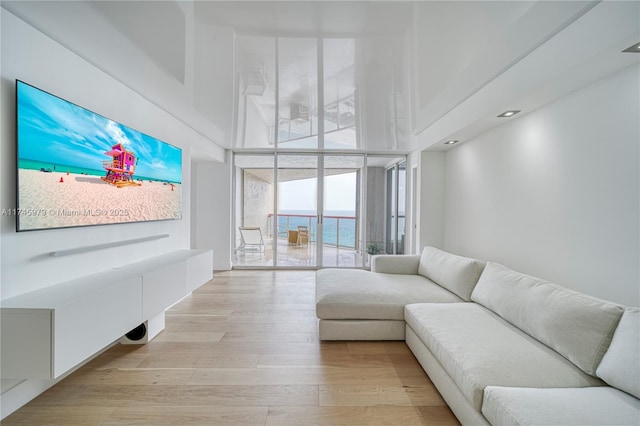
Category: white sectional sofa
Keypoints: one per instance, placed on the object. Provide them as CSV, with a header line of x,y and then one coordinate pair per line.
x,y
502,347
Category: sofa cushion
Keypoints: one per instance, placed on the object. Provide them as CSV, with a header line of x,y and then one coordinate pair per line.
x,y
584,406
478,348
359,294
455,273
577,326
395,264
620,366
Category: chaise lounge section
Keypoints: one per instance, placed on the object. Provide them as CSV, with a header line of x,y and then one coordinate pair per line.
x,y
502,347
354,304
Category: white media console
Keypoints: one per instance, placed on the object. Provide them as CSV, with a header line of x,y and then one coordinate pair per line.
x,y
47,332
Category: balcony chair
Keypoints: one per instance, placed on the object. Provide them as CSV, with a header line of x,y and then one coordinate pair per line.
x,y
251,240
304,236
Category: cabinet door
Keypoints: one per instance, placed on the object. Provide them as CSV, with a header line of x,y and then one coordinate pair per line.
x,y
163,287
89,324
25,343
199,270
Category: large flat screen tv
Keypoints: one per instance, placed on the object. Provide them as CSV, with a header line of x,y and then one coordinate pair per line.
x,y
78,168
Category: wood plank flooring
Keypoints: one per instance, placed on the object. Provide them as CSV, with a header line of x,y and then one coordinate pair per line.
x,y
244,350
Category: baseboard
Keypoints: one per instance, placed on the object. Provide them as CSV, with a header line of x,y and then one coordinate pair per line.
x,y
222,266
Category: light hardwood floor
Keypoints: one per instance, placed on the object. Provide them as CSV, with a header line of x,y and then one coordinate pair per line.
x,y
244,350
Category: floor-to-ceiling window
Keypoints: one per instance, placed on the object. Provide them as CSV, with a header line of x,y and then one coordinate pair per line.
x,y
315,209
342,210
395,202
299,115
254,208
385,204
297,210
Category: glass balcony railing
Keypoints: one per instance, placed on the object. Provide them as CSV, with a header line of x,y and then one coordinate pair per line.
x,y
338,231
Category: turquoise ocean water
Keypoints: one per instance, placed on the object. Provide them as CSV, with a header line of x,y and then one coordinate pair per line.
x,y
39,165
330,229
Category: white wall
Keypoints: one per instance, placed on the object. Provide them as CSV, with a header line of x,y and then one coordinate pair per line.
x,y
211,217
30,56
431,199
412,218
25,264
555,193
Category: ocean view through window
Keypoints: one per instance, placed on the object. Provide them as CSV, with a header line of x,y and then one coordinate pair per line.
x,y
339,226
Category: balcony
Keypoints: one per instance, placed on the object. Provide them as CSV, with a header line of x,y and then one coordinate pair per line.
x,y
338,231
340,248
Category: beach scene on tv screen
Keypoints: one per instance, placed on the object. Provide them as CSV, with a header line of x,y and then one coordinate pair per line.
x,y
78,168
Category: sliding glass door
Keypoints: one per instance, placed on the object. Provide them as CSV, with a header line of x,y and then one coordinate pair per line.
x,y
307,208
341,217
297,210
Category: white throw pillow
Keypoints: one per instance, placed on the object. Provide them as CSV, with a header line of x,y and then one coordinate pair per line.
x,y
620,366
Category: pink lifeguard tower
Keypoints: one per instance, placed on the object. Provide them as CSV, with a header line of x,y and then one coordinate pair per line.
x,y
121,167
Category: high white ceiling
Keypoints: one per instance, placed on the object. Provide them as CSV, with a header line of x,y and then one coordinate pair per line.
x,y
424,72
309,18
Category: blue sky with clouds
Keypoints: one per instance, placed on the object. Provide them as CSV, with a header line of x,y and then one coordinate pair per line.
x,y
56,131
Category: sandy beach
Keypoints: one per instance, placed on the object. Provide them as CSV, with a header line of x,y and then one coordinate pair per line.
x,y
79,199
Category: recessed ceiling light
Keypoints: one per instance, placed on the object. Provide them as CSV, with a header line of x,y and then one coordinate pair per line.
x,y
509,113
451,142
634,49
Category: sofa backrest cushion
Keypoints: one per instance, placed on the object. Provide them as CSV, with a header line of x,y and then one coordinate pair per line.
x,y
455,273
577,326
620,366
